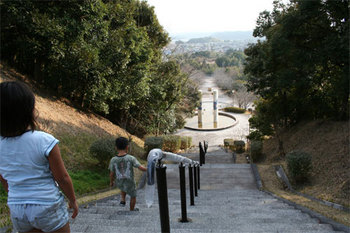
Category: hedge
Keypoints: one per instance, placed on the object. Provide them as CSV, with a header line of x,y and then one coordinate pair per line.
x,y
152,142
234,110
171,143
239,146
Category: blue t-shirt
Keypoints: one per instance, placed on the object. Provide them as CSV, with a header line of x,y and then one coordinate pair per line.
x,y
24,164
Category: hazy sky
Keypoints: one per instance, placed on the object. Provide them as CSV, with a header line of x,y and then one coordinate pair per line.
x,y
183,16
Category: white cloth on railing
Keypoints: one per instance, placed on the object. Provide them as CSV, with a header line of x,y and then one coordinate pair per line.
x,y
156,154
153,156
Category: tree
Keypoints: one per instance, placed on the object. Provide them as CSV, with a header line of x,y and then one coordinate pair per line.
x,y
243,97
302,66
104,55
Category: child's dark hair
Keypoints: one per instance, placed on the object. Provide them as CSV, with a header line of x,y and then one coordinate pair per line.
x,y
17,103
121,143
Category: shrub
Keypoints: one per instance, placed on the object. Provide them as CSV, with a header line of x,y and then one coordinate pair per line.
x,y
239,146
136,150
255,135
228,142
171,143
152,142
103,150
299,165
184,143
189,142
256,150
234,110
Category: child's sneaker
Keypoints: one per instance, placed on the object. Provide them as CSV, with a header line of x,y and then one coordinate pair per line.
x,y
136,209
122,203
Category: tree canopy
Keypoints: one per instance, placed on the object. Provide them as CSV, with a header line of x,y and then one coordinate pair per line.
x,y
301,68
105,55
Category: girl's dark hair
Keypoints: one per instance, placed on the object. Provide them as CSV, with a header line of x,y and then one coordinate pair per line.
x,y
121,143
17,103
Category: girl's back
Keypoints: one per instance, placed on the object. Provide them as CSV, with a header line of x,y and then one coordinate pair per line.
x,y
25,166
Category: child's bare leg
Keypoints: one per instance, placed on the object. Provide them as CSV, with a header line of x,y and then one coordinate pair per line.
x,y
132,203
33,230
65,228
122,196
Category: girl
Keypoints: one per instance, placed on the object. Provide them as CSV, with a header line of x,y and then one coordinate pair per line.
x,y
31,166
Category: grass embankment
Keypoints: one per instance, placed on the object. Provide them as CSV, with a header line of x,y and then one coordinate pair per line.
x,y
329,179
271,183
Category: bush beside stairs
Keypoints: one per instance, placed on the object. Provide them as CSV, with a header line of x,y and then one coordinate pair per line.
x,y
228,201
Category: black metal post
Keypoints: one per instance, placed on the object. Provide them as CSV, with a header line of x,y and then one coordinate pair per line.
x,y
204,152
183,193
190,172
199,177
195,180
163,197
200,154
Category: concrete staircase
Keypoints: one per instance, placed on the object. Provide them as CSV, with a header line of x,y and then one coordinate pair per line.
x,y
228,201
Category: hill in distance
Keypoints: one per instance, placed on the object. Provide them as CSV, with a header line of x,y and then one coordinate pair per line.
x,y
203,40
229,35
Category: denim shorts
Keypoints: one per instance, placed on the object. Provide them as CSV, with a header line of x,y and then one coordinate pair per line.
x,y
47,218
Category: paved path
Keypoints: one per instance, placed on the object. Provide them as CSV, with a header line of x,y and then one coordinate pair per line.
x,y
228,201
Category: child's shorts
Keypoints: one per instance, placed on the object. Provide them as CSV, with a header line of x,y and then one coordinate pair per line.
x,y
127,186
47,218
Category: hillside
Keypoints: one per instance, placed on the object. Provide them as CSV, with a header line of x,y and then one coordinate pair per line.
x,y
59,117
76,130
328,143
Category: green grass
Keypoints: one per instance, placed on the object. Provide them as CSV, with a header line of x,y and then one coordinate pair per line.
x,y
87,181
75,151
4,210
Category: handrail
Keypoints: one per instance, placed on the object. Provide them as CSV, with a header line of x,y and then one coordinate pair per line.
x,y
190,171
195,181
194,185
183,193
163,196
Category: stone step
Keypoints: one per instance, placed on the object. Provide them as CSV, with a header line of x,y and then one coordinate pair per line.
x,y
196,216
203,196
203,205
261,217
193,227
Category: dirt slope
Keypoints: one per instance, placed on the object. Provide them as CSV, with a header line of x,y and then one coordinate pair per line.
x,y
328,143
57,116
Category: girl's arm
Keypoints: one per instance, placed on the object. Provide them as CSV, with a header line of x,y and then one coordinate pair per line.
x,y
62,177
4,183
